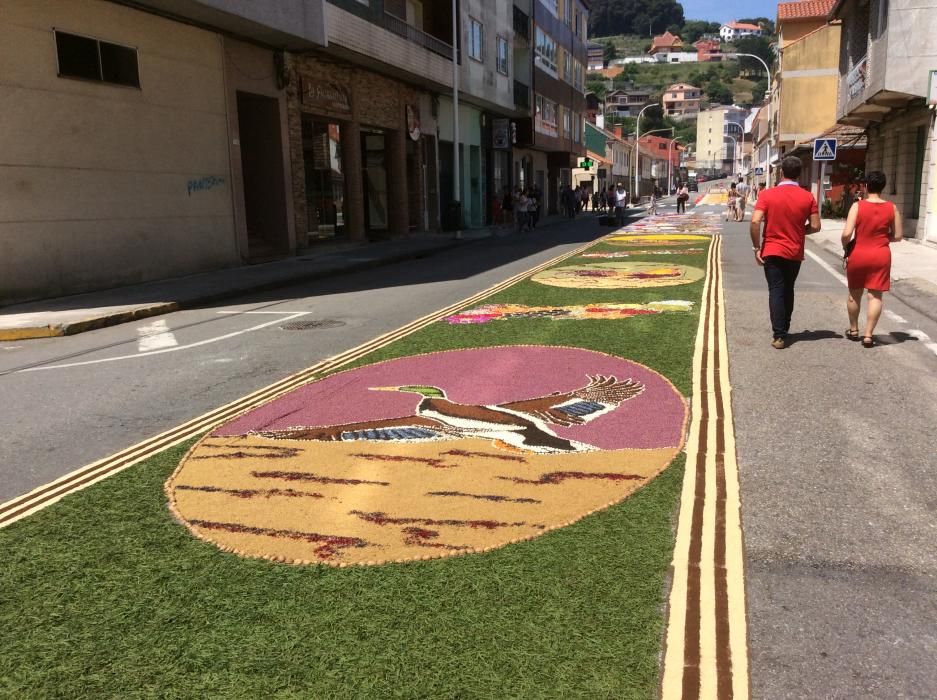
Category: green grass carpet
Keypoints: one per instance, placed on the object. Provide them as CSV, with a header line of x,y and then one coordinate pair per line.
x,y
104,595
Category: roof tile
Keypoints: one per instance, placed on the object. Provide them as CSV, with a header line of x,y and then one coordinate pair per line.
x,y
805,9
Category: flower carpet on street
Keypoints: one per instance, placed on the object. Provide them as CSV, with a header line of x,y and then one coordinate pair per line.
x,y
481,504
510,312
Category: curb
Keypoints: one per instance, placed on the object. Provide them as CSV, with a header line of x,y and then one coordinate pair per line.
x,y
87,324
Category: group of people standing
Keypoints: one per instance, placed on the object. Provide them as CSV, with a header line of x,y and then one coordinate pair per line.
x,y
784,215
519,208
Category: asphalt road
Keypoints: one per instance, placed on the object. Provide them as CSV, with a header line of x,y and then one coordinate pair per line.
x,y
838,466
73,400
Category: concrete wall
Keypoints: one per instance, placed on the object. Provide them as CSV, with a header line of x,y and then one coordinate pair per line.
x,y
893,150
809,83
102,185
911,46
482,79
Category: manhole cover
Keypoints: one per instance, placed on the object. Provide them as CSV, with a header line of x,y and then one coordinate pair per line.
x,y
311,325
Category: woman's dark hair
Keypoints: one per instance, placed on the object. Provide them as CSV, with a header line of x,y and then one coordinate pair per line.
x,y
875,182
791,167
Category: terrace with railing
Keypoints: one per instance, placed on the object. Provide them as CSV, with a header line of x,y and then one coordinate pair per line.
x,y
401,28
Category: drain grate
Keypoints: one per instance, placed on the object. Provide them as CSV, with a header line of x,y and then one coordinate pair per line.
x,y
311,325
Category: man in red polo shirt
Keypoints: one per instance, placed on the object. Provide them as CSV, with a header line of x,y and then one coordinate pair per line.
x,y
785,211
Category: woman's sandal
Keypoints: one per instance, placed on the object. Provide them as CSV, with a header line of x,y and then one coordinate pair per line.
x,y
852,334
868,342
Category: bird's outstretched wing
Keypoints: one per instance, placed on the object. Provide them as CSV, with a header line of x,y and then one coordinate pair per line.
x,y
599,396
406,428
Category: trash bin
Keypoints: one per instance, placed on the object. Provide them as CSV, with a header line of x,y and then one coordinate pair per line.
x,y
452,217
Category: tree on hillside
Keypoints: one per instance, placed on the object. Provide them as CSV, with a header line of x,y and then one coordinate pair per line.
x,y
717,91
609,17
758,45
610,53
693,29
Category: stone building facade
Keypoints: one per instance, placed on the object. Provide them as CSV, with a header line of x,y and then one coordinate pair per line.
x,y
362,147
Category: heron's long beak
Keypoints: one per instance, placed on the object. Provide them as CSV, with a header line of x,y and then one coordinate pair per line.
x,y
383,388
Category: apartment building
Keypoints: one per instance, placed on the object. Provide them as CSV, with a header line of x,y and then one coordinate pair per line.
x,y
719,137
626,102
681,100
551,140
885,66
144,140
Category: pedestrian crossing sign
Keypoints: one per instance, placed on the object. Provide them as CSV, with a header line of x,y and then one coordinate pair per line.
x,y
824,149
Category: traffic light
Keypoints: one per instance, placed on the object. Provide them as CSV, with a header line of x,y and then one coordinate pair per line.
x,y
587,163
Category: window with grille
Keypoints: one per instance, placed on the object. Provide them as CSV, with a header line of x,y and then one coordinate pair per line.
x,y
91,59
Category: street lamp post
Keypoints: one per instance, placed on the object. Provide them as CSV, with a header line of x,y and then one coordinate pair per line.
x,y
635,151
735,148
456,175
670,164
770,103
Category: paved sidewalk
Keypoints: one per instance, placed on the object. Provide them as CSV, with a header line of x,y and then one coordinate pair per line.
x,y
913,267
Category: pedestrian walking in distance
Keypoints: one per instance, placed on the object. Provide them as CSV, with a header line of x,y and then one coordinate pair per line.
x,y
789,213
743,191
621,198
683,194
876,223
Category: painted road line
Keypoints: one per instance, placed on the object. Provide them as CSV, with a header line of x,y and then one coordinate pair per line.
x,y
176,348
155,336
706,652
826,266
920,335
894,317
52,492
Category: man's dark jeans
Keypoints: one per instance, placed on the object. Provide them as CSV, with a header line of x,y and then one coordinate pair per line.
x,y
781,274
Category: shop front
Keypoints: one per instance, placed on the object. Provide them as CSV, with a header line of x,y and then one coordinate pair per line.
x,y
361,160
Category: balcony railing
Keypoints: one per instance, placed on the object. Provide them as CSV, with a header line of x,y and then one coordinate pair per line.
x,y
400,27
521,23
521,95
855,80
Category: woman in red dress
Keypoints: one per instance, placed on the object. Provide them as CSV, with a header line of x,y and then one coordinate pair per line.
x,y
876,223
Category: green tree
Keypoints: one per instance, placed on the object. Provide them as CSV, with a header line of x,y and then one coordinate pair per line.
x,y
758,45
610,53
719,92
610,17
731,70
693,29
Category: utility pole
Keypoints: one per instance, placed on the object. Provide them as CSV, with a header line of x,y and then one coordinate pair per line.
x,y
456,173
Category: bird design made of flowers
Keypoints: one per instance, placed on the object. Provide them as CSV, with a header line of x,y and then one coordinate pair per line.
x,y
515,426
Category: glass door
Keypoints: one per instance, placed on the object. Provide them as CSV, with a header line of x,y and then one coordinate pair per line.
x,y
325,179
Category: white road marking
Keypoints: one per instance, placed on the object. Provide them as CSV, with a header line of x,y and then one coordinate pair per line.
x,y
894,317
263,313
924,338
826,266
918,334
155,336
208,341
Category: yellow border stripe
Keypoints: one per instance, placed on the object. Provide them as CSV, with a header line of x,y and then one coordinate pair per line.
x,y
52,492
709,345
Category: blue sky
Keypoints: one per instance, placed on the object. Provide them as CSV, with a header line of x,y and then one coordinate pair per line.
x,y
725,10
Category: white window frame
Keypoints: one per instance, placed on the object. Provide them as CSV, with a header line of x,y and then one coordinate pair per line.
x,y
502,63
476,40
545,51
